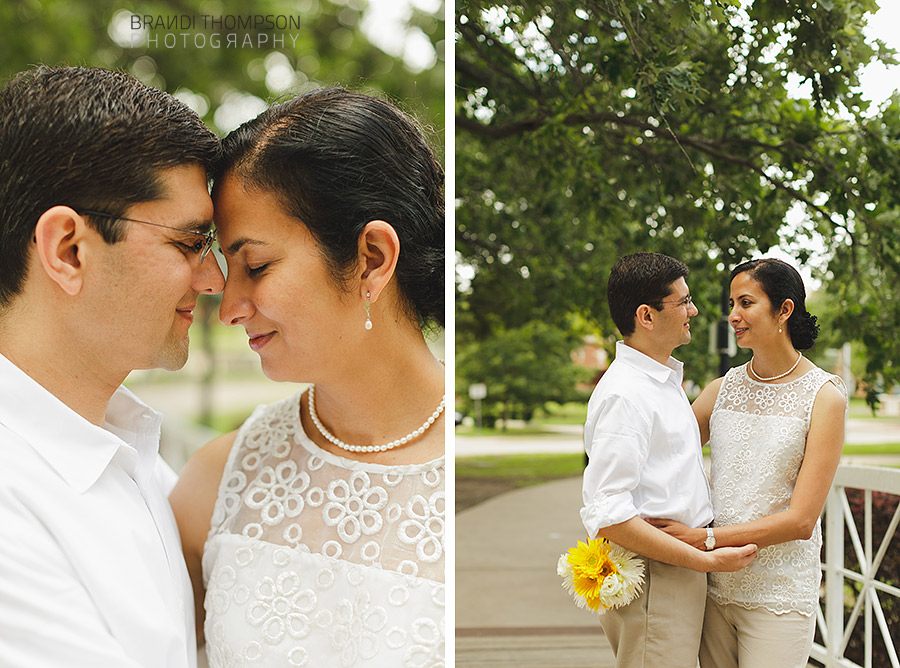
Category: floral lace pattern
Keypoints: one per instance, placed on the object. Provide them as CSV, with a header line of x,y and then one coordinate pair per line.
x,y
317,560
757,441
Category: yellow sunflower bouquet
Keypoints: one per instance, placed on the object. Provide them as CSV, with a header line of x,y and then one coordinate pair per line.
x,y
601,575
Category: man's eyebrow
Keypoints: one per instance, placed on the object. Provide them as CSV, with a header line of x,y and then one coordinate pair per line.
x,y
237,244
202,226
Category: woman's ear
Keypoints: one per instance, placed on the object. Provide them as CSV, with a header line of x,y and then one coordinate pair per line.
x,y
787,308
58,236
379,250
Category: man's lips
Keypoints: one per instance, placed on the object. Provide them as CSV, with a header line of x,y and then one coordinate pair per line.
x,y
187,312
257,341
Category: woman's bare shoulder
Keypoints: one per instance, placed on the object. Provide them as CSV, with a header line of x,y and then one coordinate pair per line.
x,y
194,497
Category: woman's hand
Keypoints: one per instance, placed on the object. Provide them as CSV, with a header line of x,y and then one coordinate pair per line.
x,y
693,537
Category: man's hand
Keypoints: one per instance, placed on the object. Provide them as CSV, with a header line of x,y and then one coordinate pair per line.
x,y
639,536
727,559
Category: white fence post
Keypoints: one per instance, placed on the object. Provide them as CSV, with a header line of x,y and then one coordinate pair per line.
x,y
834,581
869,555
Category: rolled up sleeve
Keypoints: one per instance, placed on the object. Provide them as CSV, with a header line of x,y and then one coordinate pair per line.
x,y
617,444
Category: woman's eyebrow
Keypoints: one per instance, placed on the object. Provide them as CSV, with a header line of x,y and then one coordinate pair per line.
x,y
237,244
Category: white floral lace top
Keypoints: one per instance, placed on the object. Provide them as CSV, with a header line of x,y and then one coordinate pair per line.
x,y
757,440
317,561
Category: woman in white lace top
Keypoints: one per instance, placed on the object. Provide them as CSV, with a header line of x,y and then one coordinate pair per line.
x,y
314,534
776,428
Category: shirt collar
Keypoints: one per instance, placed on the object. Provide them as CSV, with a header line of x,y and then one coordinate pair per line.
x,y
77,449
671,370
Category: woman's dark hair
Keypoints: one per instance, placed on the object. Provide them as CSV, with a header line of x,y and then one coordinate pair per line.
x,y
640,278
780,281
337,160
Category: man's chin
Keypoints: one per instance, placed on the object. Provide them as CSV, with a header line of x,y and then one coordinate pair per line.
x,y
174,355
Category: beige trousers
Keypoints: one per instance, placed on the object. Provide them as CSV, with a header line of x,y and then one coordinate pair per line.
x,y
734,636
661,628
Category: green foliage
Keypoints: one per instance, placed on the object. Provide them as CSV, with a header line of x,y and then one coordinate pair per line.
x,y
328,47
590,130
523,367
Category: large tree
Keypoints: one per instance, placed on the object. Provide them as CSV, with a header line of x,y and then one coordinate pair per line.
x,y
700,129
183,46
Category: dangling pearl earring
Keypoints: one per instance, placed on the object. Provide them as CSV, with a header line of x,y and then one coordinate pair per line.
x,y
368,318
779,328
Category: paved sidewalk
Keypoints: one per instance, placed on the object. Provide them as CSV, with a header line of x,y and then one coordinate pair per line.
x,y
511,609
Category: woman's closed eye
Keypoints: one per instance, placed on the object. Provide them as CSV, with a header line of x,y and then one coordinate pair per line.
x,y
254,272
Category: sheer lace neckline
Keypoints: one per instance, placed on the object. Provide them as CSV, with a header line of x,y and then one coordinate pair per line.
x,y
312,447
746,368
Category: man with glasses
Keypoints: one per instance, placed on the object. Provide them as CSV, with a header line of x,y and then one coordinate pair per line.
x,y
645,461
105,224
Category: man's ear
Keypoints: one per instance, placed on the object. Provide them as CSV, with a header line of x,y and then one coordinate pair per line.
x,y
643,317
59,235
379,250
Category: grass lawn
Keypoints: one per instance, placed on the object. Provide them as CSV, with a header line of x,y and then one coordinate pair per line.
x,y
480,478
522,467
513,432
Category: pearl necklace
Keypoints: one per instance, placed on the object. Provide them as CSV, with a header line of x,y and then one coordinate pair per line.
x,y
414,434
781,375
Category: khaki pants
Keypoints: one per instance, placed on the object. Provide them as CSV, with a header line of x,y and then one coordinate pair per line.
x,y
661,628
734,636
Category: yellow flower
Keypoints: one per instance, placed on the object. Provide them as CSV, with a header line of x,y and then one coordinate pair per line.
x,y
599,574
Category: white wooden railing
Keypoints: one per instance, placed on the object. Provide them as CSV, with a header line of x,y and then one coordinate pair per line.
x,y
867,604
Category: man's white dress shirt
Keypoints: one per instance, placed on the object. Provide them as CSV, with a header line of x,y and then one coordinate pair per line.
x,y
91,568
643,446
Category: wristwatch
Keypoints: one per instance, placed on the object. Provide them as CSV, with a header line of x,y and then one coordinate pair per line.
x,y
710,541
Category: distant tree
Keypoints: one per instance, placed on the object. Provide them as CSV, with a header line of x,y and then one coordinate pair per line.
x,y
588,130
328,48
523,368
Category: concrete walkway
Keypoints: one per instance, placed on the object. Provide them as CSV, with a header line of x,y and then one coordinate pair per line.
x,y
511,609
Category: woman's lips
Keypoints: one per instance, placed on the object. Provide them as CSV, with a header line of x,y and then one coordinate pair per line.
x,y
257,341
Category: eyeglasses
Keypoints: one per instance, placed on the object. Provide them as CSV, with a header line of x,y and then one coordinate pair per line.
x,y
201,247
687,301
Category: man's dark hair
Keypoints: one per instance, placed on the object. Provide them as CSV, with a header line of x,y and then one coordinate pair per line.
x,y
87,138
641,278
336,160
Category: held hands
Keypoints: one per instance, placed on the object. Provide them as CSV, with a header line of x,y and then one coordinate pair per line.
x,y
726,559
684,533
723,559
